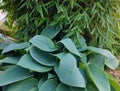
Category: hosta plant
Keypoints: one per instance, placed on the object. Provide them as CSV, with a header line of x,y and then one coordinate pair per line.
x,y
48,64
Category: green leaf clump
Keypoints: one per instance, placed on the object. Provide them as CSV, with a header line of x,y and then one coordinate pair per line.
x,y
64,69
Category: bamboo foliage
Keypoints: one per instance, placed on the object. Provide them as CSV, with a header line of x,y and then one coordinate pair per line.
x,y
96,20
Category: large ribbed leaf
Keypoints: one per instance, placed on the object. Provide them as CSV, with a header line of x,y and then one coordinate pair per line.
x,y
49,85
10,60
42,57
98,77
69,73
70,46
13,74
51,31
27,61
43,43
111,60
15,46
98,59
25,85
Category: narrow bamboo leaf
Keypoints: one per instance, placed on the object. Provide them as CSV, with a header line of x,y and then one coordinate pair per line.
x,y
62,87
13,74
10,60
40,10
111,60
42,57
114,82
50,85
51,31
25,85
43,43
70,46
27,61
15,46
69,73
98,59
98,77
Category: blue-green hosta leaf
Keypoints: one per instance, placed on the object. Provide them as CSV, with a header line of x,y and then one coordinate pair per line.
x,y
111,60
42,57
69,73
60,55
10,60
43,43
62,87
27,61
84,58
25,85
51,76
77,89
70,46
2,46
40,83
51,31
15,46
56,68
98,59
49,85
13,74
114,82
83,45
99,77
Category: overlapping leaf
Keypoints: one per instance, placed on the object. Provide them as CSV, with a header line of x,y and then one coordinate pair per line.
x,y
13,74
10,60
27,61
25,85
98,59
50,84
15,46
111,60
62,87
69,73
51,31
70,46
42,57
40,83
99,77
43,43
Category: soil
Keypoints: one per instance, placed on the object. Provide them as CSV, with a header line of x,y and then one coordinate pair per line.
x,y
116,74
